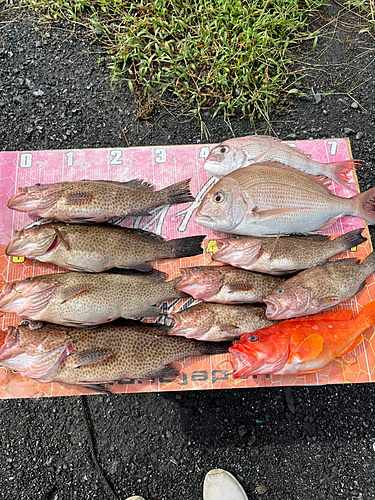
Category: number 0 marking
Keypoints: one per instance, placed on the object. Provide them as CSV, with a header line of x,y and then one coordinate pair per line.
x,y
161,155
333,148
26,160
69,158
116,155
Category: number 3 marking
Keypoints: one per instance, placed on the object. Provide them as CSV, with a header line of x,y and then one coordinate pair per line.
x,y
161,155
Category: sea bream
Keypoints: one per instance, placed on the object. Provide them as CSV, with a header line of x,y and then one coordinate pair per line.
x,y
280,255
218,322
87,299
302,345
96,201
96,248
240,152
274,199
226,284
319,288
108,353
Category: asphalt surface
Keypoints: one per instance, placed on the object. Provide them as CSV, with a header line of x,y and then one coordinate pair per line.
x,y
320,446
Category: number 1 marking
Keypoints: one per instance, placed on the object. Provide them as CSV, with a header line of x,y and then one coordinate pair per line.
x,y
69,158
26,160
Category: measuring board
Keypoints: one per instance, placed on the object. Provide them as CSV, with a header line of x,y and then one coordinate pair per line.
x,y
164,166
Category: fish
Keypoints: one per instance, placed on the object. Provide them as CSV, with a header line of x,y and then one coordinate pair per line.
x,y
274,199
53,353
280,255
226,284
319,288
96,201
302,345
87,299
240,152
96,248
218,322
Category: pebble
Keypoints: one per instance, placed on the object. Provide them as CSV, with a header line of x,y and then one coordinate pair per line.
x,y
359,135
354,105
348,131
261,489
242,430
318,98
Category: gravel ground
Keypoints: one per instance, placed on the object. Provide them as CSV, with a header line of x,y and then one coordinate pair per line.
x,y
54,94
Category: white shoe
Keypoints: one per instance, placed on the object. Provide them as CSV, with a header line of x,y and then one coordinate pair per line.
x,y
221,485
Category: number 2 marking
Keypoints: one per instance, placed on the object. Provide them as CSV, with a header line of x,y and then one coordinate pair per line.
x,y
161,155
116,155
333,148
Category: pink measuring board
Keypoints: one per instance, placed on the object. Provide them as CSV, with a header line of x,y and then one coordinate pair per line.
x,y
163,166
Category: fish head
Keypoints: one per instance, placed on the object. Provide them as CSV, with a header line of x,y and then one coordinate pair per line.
x,y
259,353
192,323
288,301
26,298
34,349
223,207
238,250
33,242
35,200
225,158
201,282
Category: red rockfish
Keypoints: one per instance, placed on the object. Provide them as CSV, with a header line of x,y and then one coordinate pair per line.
x,y
302,345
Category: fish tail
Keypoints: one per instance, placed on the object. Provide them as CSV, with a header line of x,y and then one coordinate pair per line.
x,y
186,247
366,317
339,171
364,206
350,239
211,348
177,193
368,265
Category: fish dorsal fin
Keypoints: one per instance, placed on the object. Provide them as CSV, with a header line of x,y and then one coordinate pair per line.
x,y
320,179
309,348
73,290
133,183
354,344
92,356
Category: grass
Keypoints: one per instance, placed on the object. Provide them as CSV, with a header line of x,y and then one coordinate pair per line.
x,y
228,54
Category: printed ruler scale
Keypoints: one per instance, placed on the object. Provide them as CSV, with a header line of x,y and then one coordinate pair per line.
x,y
164,166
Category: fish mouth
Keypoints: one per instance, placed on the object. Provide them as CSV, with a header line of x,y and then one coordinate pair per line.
x,y
272,309
243,366
22,198
211,167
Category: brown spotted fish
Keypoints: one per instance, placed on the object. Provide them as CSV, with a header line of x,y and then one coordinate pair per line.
x,y
281,255
53,353
226,284
241,152
96,248
87,299
274,199
96,201
217,322
319,288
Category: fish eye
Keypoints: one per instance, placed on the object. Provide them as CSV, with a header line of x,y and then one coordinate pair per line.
x,y
34,325
223,149
28,279
279,291
185,311
219,197
253,338
196,268
234,237
37,184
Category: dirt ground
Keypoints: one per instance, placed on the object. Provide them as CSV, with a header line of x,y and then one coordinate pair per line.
x,y
54,95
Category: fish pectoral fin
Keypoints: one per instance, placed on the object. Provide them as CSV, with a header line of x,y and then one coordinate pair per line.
x,y
307,372
270,214
228,327
78,198
168,372
96,388
239,286
354,344
309,348
325,301
61,238
73,290
91,356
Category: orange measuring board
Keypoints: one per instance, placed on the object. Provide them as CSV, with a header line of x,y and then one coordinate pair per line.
x,y
164,166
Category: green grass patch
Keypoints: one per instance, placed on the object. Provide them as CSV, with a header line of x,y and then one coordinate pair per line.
x,y
225,53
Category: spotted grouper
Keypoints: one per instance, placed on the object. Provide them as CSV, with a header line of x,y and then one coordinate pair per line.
x,y
53,353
